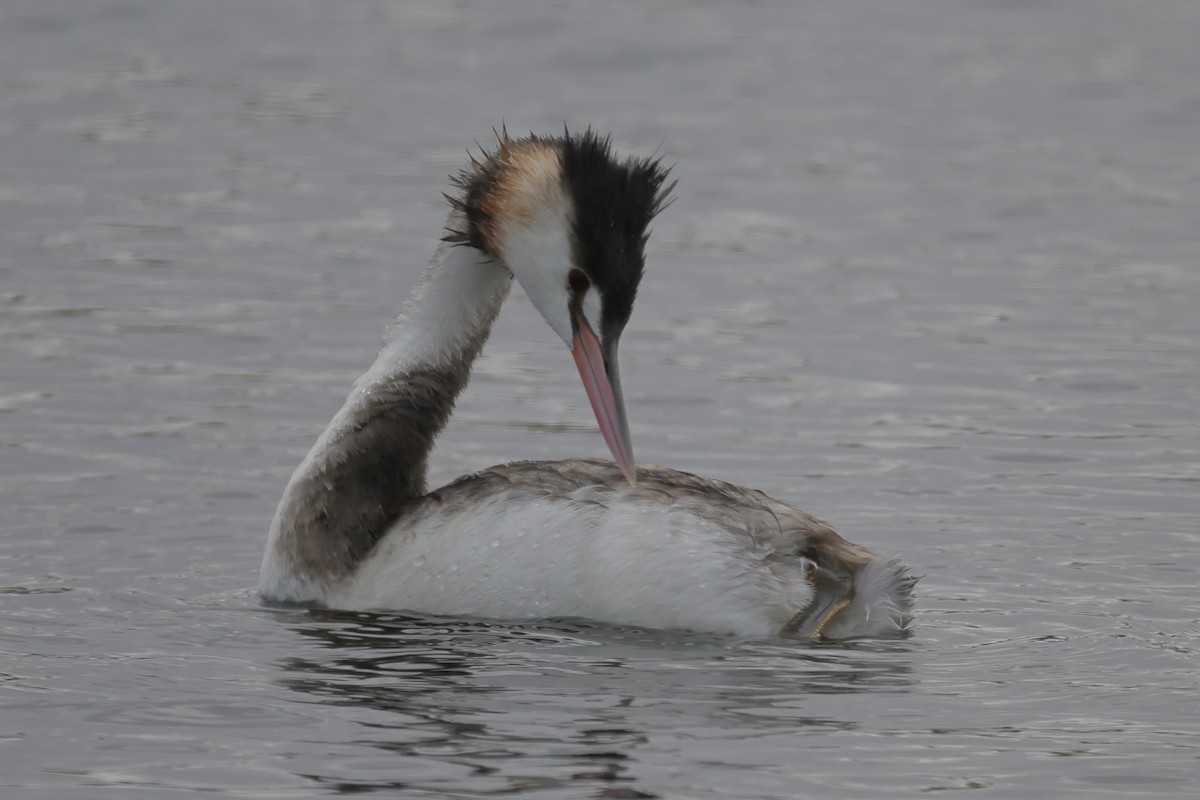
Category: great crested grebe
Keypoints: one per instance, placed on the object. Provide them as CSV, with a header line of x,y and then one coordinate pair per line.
x,y
356,528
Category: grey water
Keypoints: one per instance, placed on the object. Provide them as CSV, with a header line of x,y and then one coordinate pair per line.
x,y
932,275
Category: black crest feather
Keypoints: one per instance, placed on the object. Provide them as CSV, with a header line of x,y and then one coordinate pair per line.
x,y
614,204
474,183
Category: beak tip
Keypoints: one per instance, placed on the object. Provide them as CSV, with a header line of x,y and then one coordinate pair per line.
x,y
631,475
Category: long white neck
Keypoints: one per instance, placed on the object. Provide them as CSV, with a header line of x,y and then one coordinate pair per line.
x,y
371,460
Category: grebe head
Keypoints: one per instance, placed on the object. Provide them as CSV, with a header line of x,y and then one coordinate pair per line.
x,y
570,221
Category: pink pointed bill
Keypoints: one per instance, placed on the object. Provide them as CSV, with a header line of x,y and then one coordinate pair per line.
x,y
603,387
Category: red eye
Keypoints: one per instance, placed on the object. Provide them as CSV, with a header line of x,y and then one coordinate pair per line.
x,y
578,282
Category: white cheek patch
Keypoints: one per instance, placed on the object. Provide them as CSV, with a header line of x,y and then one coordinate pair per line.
x,y
591,309
533,214
538,252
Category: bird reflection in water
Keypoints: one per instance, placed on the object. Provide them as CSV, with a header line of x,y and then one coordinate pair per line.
x,y
529,707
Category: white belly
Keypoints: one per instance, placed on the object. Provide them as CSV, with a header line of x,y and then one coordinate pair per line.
x,y
653,566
